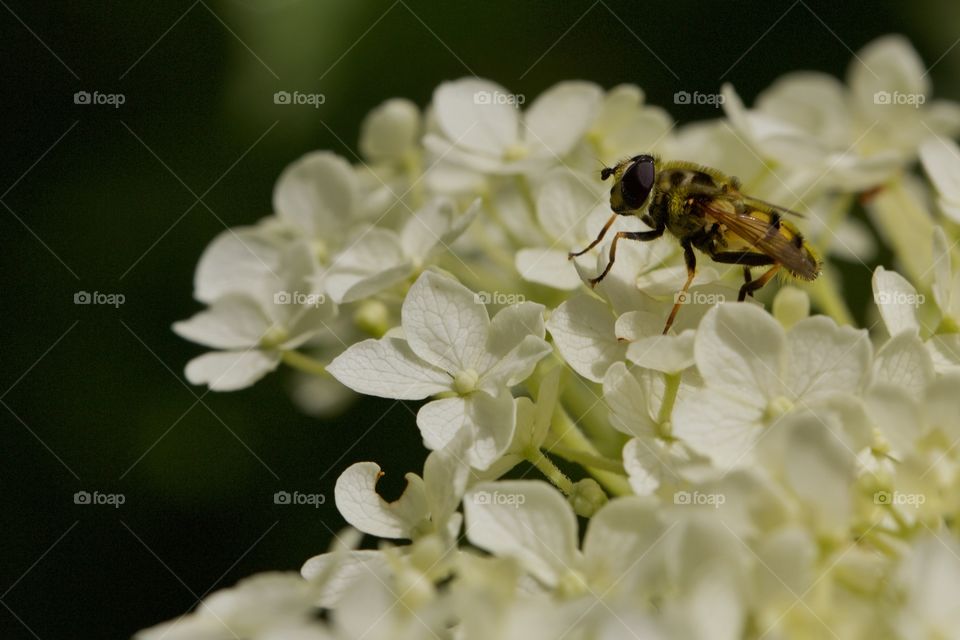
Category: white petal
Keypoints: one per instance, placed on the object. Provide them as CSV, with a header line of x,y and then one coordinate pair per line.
x,y
388,368
231,370
666,353
360,504
445,323
904,361
894,412
945,351
560,116
583,330
721,428
485,422
373,262
565,200
445,477
820,469
517,365
390,130
896,299
527,520
826,359
651,463
549,267
891,64
741,350
941,161
340,570
512,325
630,402
233,322
236,258
621,534
435,226
318,193
474,114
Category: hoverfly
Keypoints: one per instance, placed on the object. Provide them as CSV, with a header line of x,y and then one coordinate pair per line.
x,y
705,210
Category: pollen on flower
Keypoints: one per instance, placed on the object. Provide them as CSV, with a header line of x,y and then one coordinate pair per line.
x,y
466,381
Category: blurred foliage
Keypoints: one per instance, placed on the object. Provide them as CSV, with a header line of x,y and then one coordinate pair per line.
x,y
95,395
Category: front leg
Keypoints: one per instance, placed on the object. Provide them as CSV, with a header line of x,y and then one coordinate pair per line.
x,y
643,236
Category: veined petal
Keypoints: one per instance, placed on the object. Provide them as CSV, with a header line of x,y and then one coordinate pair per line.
x,y
374,261
388,368
485,422
549,267
718,427
826,359
904,361
515,366
742,351
631,405
232,322
583,330
445,323
896,299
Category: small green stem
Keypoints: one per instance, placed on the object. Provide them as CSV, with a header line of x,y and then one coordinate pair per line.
x,y
304,363
585,459
666,408
550,470
571,438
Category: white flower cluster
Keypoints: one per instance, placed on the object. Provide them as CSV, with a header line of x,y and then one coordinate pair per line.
x,y
751,474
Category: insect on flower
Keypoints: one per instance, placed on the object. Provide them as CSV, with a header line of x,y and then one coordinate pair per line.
x,y
705,210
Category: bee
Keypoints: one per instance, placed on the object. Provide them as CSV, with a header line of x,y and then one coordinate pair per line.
x,y
705,210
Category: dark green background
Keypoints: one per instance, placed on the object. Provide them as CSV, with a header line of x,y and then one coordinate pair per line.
x,y
199,512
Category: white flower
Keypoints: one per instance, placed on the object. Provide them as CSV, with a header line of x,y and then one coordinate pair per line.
x,y
754,372
626,126
254,329
481,128
379,257
391,132
928,579
265,603
449,344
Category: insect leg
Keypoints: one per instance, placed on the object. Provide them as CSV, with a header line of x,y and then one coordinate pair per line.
x,y
643,236
691,260
747,259
750,287
603,232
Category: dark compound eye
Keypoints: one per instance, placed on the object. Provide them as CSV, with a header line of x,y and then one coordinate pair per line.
x,y
637,182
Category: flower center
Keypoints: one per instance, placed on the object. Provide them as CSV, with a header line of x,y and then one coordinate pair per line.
x,y
274,337
465,381
320,250
777,408
515,151
572,584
